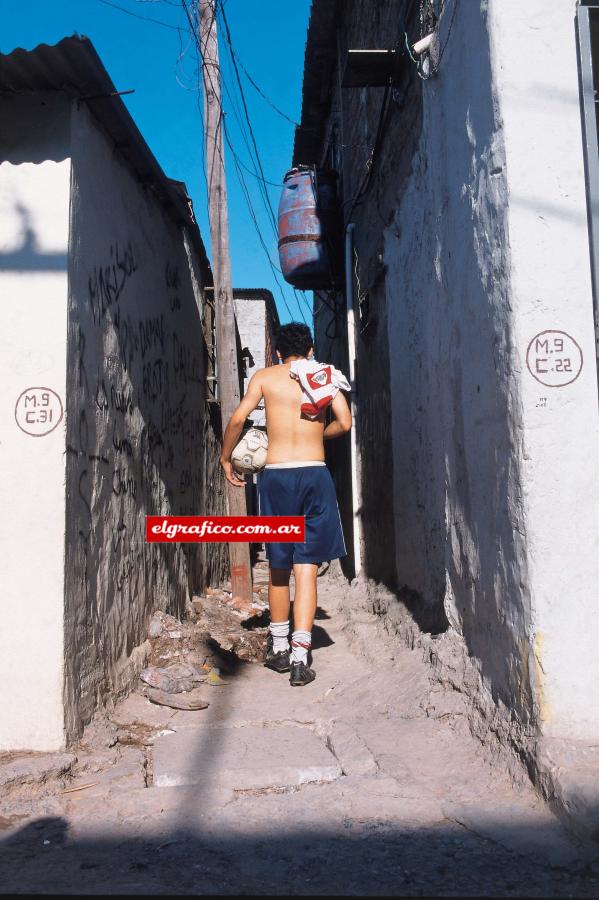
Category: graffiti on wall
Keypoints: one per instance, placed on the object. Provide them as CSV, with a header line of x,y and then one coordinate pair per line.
x,y
140,423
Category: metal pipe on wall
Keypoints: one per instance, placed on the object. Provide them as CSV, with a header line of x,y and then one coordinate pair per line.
x,y
351,354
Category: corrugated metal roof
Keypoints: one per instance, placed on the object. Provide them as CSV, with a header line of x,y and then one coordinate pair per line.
x,y
73,67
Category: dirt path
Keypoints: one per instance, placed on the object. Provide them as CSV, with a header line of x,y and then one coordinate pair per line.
x,y
366,782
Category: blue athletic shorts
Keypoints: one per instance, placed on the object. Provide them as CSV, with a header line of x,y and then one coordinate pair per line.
x,y
303,491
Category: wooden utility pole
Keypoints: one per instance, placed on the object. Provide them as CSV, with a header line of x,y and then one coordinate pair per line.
x,y
226,348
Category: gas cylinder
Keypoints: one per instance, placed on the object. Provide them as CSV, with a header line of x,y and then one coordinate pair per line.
x,y
310,240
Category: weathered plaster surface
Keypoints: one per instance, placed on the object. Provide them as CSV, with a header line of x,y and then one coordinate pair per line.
x,y
251,323
139,436
471,239
551,289
456,408
439,415
34,227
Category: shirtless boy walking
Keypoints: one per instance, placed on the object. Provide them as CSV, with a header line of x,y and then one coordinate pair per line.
x,y
295,482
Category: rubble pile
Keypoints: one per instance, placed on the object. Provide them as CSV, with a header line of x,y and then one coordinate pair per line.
x,y
238,626
186,655
216,620
188,659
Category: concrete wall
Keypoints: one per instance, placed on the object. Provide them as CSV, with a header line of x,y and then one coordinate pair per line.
x,y
471,241
456,408
270,353
251,324
34,227
551,295
256,332
139,438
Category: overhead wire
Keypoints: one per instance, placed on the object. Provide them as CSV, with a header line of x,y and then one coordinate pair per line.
x,y
274,106
255,156
299,295
135,15
253,217
245,109
263,94
243,121
241,179
168,2
277,184
442,51
365,183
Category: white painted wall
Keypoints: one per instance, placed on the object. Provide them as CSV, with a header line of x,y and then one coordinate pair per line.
x,y
537,83
496,475
34,228
251,324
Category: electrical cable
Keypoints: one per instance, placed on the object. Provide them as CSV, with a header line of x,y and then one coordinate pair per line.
x,y
245,108
243,131
442,51
130,12
263,94
236,159
260,237
253,215
277,184
168,2
256,155
418,62
373,155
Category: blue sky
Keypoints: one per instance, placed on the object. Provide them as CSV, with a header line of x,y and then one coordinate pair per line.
x,y
158,61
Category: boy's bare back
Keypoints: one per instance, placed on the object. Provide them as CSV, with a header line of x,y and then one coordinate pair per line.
x,y
291,436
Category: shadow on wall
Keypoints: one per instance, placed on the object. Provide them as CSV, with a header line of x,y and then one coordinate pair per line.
x,y
139,427
28,257
140,442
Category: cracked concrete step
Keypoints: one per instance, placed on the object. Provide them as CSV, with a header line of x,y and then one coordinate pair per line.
x,y
338,806
248,758
28,770
354,756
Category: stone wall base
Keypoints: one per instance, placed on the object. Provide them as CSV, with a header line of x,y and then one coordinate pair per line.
x,y
566,773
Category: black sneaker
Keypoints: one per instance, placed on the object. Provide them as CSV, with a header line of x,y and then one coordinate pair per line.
x,y
301,674
277,661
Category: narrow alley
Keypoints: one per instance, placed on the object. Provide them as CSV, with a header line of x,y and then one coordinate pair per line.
x,y
299,532
368,782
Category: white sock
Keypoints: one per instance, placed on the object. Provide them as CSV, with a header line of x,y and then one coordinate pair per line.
x,y
301,642
280,635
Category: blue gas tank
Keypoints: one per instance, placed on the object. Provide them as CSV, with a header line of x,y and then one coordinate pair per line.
x,y
310,239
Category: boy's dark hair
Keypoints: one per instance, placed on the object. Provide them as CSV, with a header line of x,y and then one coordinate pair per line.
x,y
294,339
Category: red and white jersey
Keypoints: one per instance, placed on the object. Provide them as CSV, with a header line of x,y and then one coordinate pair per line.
x,y
320,383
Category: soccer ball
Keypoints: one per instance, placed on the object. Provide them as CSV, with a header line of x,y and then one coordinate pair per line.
x,y
249,455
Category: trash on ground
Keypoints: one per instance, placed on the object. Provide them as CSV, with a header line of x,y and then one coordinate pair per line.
x,y
215,679
175,679
79,787
189,701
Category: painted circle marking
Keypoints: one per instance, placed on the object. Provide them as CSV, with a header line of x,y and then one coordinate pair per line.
x,y
554,358
38,411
